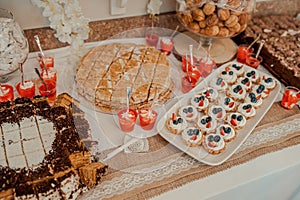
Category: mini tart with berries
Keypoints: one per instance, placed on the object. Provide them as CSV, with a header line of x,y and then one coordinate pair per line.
x,y
176,124
207,124
238,69
219,83
247,109
217,112
246,82
236,120
261,90
200,102
228,104
254,99
237,92
189,113
268,82
228,75
214,143
253,75
227,132
210,93
192,136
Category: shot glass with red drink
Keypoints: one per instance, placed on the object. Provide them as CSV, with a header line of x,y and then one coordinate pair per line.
x,y
47,61
127,119
166,45
290,98
253,60
6,92
47,88
152,39
49,74
206,65
189,80
147,118
26,89
187,64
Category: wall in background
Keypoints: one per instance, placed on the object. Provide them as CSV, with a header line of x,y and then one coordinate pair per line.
x,y
30,16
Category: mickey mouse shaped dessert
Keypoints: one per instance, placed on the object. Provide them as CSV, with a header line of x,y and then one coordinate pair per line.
x,y
210,93
192,136
200,102
254,99
217,112
252,75
176,124
189,113
207,123
246,82
227,132
237,92
261,90
228,75
219,83
247,109
238,69
236,120
268,82
228,104
214,143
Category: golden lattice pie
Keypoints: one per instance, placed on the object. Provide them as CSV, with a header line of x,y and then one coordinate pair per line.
x,y
105,71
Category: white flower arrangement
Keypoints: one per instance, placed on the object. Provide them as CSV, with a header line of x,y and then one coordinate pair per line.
x,y
66,18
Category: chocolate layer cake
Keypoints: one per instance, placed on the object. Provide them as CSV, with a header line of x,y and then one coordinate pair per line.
x,y
281,52
41,153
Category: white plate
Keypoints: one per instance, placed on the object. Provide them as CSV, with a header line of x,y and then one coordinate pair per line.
x,y
198,152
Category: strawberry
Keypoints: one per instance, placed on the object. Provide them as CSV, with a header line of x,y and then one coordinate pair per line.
x,y
248,83
264,78
207,93
258,97
253,76
190,115
208,125
241,92
222,83
173,116
201,103
227,69
233,122
222,131
211,144
194,137
248,110
231,104
219,115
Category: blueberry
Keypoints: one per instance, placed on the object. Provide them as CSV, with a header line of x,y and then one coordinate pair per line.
x,y
180,120
231,73
185,110
243,81
210,138
215,111
190,132
208,119
219,109
239,87
227,129
175,122
268,80
203,121
217,138
245,107
219,81
211,91
235,90
253,100
252,72
227,99
240,118
233,116
234,65
248,74
252,95
196,132
202,98
224,72
249,106
190,109
196,99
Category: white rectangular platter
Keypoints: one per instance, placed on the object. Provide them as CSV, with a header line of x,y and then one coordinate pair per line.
x,y
199,152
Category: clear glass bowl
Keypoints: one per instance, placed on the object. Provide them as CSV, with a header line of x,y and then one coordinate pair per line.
x,y
215,18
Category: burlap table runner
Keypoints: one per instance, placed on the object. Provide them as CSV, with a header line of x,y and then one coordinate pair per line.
x,y
279,129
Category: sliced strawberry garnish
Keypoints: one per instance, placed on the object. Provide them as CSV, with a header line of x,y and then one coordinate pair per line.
x,y
173,116
264,78
201,103
258,97
194,137
227,69
222,83
240,91
248,110
233,122
248,83
189,115
222,131
231,104
219,115
253,76
211,144
267,92
208,125
207,93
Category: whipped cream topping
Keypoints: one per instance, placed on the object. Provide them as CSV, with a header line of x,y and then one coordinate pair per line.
x,y
247,109
226,131
188,112
192,135
214,141
207,123
4,91
26,85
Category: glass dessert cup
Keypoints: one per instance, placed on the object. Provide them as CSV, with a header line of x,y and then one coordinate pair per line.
x,y
47,61
253,61
47,90
189,81
127,119
215,22
6,93
26,89
166,45
147,118
290,97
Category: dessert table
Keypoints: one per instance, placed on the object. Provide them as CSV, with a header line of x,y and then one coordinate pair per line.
x,y
266,166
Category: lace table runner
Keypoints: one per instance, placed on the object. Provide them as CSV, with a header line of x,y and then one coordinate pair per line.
x,y
279,129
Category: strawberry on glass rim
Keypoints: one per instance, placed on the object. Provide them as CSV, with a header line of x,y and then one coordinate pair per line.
x,y
127,119
148,118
